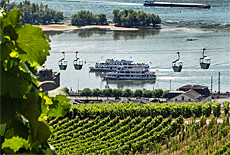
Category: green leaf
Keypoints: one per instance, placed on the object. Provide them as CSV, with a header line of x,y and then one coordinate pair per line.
x,y
2,129
3,40
60,106
44,131
5,52
15,143
14,83
35,43
20,127
30,110
9,30
9,107
12,18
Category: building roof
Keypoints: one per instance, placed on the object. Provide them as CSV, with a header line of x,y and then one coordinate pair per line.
x,y
193,95
193,87
195,92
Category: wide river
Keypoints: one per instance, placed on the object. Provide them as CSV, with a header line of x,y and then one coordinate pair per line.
x,y
208,27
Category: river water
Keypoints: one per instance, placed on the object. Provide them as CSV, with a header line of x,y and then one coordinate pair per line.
x,y
208,27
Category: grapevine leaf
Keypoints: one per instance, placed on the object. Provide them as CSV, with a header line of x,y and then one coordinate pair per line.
x,y
3,40
30,110
27,70
14,83
9,107
9,30
59,107
44,131
35,43
20,129
15,143
12,18
5,51
2,129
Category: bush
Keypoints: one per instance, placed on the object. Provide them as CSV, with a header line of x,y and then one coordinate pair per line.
x,y
216,109
84,17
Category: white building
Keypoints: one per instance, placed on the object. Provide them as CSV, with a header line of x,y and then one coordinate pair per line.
x,y
190,93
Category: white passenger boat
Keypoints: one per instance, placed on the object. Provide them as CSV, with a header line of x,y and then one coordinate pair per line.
x,y
130,74
113,65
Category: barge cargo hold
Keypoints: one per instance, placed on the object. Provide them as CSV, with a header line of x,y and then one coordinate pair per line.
x,y
173,4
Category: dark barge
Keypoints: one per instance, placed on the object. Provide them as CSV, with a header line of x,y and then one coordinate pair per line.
x,y
173,4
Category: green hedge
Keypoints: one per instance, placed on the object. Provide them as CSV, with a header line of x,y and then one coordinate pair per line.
x,y
133,110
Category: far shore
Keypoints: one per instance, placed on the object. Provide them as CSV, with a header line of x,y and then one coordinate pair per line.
x,y
66,27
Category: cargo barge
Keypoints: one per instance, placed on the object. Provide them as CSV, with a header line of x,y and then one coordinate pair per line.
x,y
174,4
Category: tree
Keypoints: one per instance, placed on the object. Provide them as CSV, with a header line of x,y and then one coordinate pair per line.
x,y
96,92
141,16
133,18
101,19
116,16
24,108
35,14
127,93
107,92
86,92
158,93
166,94
138,93
147,93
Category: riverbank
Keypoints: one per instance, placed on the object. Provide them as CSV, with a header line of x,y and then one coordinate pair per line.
x,y
66,27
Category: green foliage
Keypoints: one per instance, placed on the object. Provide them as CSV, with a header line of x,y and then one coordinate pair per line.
x,y
137,93
127,93
158,93
86,92
84,17
35,14
216,109
165,94
131,18
25,109
226,107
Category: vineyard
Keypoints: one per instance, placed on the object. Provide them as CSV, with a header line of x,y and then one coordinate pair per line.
x,y
128,128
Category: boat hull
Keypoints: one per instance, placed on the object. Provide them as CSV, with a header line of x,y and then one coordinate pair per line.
x,y
129,78
168,4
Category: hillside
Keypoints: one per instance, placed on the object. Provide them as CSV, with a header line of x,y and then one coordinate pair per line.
x,y
131,128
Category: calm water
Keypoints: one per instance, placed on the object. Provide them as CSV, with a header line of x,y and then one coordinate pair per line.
x,y
156,46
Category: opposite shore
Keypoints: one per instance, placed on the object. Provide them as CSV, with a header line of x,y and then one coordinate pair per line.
x,y
66,27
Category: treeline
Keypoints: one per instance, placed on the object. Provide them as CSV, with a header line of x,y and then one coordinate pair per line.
x,y
131,18
84,17
40,14
124,93
33,13
127,18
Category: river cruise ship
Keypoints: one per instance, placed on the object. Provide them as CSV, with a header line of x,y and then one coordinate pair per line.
x,y
113,65
130,74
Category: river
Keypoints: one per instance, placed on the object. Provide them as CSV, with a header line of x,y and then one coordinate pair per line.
x,y
208,27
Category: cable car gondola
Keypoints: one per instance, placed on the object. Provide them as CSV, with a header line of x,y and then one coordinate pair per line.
x,y
205,61
62,63
177,64
78,63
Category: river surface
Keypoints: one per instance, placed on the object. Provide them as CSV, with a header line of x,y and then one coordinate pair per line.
x,y
208,27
